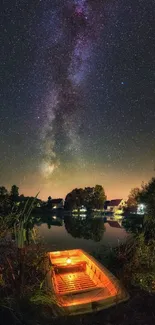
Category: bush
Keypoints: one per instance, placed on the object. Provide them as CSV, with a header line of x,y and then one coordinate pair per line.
x,y
132,262
22,270
138,262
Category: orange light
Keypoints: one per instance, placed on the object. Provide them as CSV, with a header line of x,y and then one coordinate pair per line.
x,y
68,261
84,276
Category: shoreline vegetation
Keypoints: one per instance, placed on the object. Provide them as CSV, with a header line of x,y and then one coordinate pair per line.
x,y
23,296
28,302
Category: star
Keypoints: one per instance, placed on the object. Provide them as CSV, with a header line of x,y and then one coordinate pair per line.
x,y
77,98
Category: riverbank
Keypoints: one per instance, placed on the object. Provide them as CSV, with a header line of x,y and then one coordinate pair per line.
x,y
22,300
139,310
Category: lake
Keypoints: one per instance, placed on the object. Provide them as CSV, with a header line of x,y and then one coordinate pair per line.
x,y
88,233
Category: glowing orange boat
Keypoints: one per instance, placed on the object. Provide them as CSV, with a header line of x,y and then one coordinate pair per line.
x,y
81,284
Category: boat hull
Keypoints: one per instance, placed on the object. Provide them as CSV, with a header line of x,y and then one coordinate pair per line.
x,y
81,284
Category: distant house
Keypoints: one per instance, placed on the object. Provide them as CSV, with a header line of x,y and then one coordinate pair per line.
x,y
57,203
115,206
106,203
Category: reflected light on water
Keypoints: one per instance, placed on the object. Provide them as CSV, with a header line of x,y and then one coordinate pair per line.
x,y
80,235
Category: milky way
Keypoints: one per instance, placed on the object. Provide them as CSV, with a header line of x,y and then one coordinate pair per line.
x,y
77,95
72,62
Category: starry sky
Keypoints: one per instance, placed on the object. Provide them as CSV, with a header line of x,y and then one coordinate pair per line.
x,y
77,95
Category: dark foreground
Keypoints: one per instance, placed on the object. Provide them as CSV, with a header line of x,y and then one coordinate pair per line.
x,y
139,310
135,257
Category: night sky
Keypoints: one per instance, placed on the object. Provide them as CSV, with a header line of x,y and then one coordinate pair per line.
x,y
77,95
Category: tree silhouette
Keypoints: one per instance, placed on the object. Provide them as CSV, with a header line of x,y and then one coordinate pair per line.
x,y
3,191
99,197
147,197
49,202
14,192
133,225
5,202
90,197
75,199
89,228
133,197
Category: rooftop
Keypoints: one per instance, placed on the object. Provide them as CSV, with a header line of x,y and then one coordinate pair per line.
x,y
114,203
57,201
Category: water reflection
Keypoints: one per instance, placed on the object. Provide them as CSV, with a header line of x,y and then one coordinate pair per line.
x,y
133,224
90,226
85,227
86,232
50,221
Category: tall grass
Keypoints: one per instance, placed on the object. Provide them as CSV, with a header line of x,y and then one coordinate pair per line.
x,y
22,261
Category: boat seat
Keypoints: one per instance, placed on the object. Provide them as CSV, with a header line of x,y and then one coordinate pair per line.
x,y
94,294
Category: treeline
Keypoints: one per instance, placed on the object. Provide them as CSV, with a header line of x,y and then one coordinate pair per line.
x,y
13,193
145,195
10,199
89,197
89,228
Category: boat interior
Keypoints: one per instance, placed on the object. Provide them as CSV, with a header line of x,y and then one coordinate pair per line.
x,y
78,278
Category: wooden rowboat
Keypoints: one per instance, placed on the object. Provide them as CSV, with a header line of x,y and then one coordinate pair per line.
x,y
81,284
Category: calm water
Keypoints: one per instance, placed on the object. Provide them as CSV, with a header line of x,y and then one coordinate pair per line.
x,y
89,234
